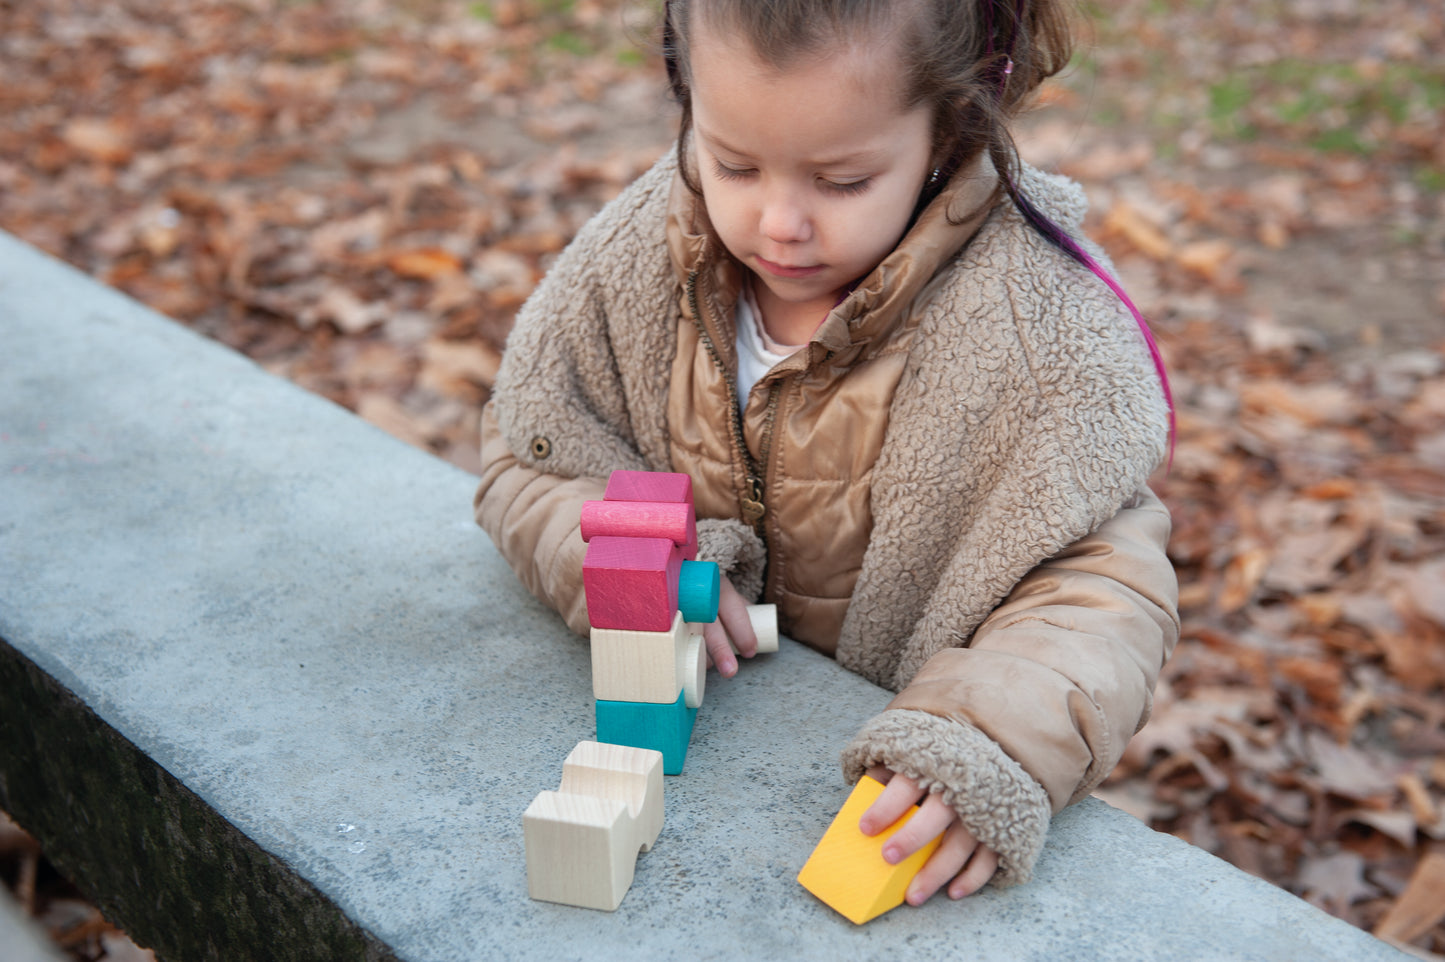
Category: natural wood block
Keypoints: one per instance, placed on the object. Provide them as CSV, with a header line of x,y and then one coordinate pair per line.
x,y
764,620
640,665
674,521
631,583
649,486
663,728
847,870
582,840
692,668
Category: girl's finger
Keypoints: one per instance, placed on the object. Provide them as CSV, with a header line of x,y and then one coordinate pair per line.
x,y
981,867
719,652
929,822
899,793
945,864
732,614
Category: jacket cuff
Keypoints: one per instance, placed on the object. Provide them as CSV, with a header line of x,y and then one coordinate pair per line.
x,y
1000,803
737,550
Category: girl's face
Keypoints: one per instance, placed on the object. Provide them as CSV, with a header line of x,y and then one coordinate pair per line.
x,y
810,174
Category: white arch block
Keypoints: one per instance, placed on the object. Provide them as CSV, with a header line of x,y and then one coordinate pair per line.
x,y
582,840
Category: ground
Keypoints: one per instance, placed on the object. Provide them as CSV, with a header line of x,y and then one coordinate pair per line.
x,y
360,195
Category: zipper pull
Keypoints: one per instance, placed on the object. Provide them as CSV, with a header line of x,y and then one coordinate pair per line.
x,y
753,507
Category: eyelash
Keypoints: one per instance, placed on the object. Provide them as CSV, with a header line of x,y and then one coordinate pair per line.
x,y
724,172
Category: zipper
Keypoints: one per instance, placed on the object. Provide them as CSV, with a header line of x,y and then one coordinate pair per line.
x,y
751,500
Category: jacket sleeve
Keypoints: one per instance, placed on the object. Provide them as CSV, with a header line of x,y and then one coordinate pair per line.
x,y
1037,709
533,519
582,392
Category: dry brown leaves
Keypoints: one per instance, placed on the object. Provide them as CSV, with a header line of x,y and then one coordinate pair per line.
x,y
360,195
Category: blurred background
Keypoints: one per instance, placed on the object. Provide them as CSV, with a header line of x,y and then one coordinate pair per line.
x,y
359,195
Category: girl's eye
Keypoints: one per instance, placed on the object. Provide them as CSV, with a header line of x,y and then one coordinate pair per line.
x,y
848,188
724,172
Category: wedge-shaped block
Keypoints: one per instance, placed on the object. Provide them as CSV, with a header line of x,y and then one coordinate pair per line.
x,y
673,520
847,870
663,728
649,486
582,840
639,665
631,583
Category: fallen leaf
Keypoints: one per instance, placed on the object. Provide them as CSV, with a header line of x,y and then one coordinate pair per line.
x,y
1125,221
384,412
424,264
1337,881
1421,907
102,139
1242,577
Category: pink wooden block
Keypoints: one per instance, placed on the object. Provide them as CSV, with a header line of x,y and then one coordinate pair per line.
x,y
631,583
649,486
674,520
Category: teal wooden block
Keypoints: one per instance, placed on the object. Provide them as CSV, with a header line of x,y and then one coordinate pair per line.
x,y
698,586
663,728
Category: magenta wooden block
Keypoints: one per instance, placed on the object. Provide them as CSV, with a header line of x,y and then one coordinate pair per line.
x,y
631,583
649,486
673,520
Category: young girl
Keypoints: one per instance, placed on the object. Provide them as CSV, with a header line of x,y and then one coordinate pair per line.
x,y
918,416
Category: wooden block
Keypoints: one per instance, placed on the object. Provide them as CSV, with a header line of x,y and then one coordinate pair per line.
x,y
582,840
663,728
692,668
631,583
633,775
699,584
639,665
674,521
764,619
847,870
649,486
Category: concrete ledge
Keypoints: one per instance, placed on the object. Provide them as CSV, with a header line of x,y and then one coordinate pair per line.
x,y
269,694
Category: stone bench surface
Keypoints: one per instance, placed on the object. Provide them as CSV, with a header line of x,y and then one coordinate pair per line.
x,y
269,693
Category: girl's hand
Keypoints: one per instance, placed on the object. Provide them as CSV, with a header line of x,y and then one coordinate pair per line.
x,y
732,622
960,861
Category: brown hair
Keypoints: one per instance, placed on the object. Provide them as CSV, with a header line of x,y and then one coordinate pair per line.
x,y
976,62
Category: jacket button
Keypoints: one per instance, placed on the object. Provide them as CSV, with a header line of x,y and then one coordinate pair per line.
x,y
541,448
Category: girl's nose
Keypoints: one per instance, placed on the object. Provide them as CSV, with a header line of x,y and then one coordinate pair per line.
x,y
784,220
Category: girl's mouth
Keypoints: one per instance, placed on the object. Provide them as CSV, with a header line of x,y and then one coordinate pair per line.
x,y
784,270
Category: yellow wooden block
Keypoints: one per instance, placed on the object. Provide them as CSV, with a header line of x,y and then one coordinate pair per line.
x,y
847,870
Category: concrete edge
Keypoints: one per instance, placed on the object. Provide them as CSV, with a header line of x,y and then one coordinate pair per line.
x,y
134,839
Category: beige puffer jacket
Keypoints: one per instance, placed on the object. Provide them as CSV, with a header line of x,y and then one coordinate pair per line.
x,y
952,475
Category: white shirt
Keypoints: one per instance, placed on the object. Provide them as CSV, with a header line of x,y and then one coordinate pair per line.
x,y
757,353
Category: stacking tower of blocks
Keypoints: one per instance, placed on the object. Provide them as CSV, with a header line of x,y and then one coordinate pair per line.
x,y
644,586
847,870
647,599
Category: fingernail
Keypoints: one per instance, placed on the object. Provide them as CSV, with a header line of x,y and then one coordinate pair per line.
x,y
891,855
